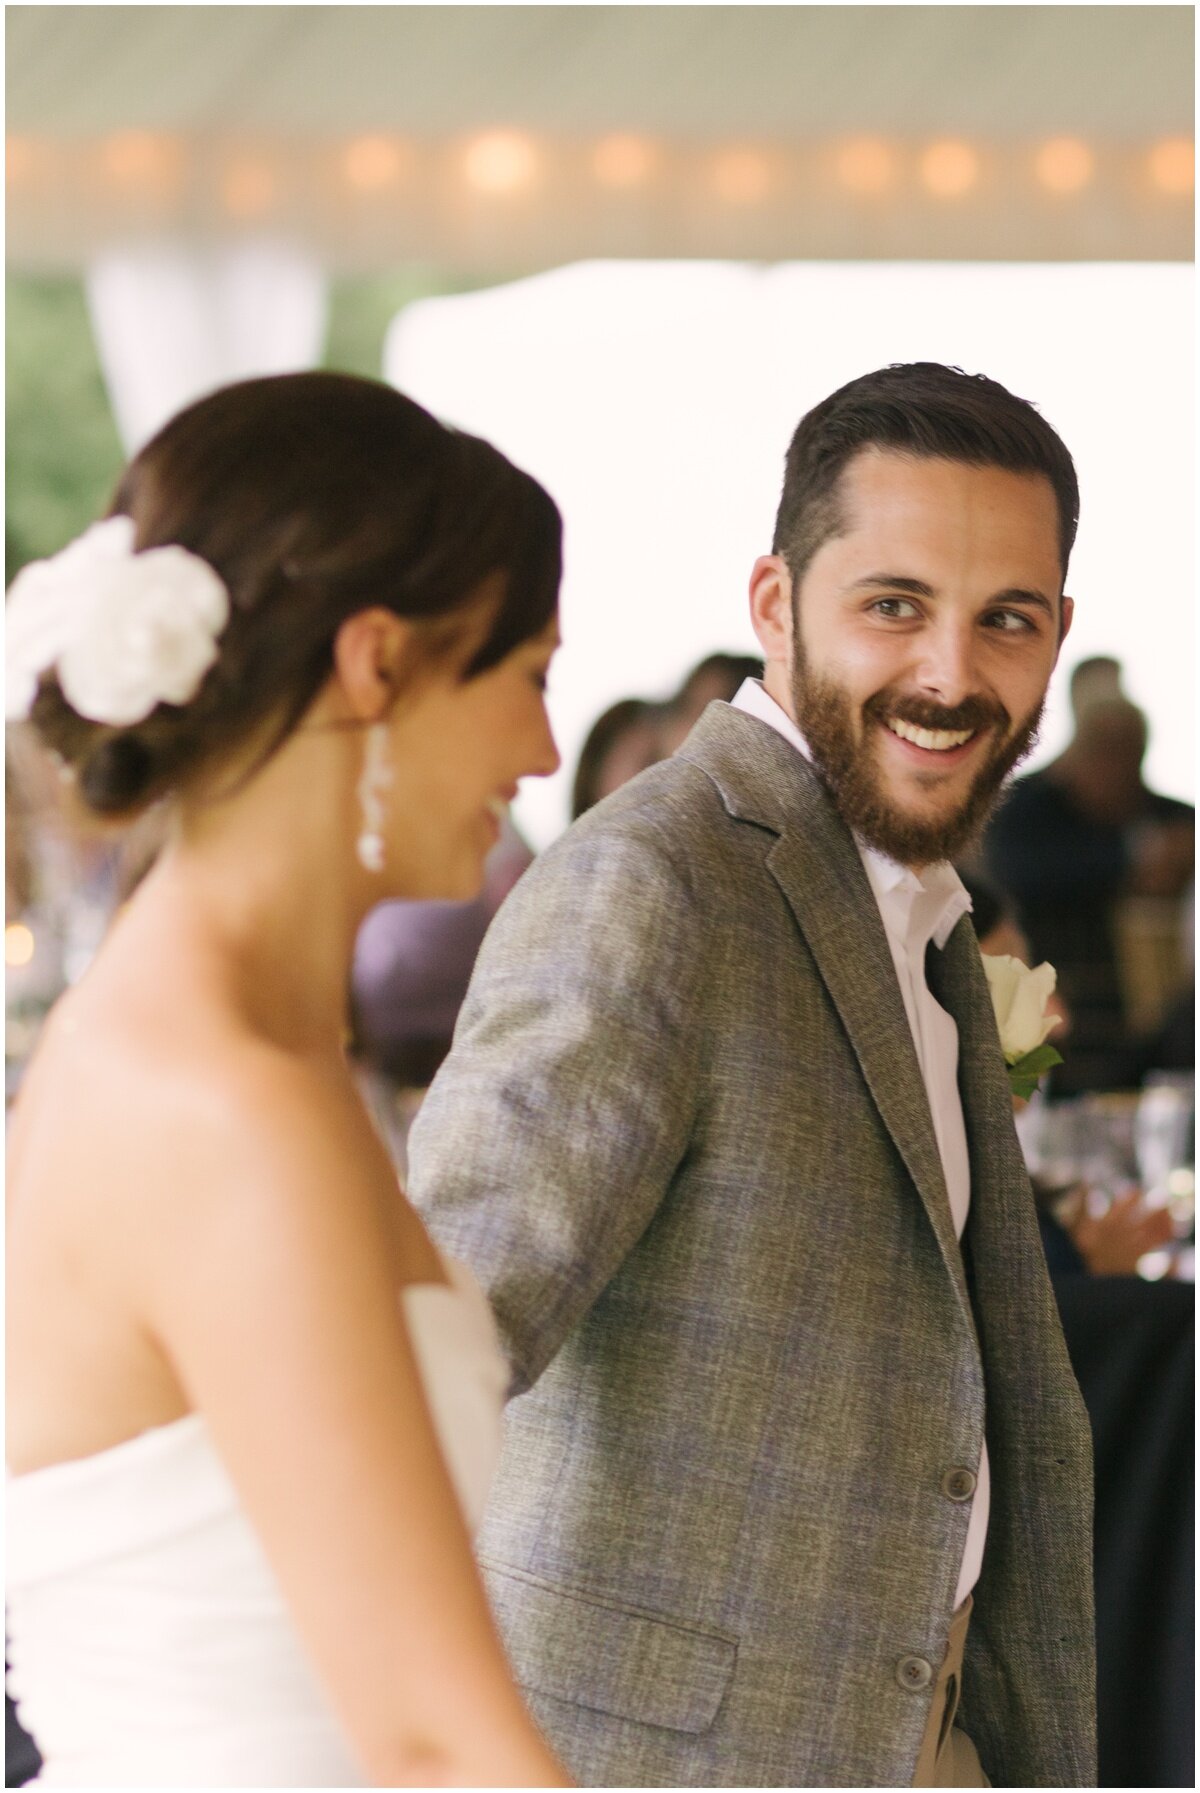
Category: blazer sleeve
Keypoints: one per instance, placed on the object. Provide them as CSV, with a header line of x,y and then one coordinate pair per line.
x,y
557,1122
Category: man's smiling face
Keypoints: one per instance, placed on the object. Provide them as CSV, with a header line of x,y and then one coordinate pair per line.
x,y
926,631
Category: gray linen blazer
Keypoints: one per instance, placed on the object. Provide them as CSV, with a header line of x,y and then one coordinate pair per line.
x,y
683,1140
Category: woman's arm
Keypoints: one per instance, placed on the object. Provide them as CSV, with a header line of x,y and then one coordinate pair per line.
x,y
270,1284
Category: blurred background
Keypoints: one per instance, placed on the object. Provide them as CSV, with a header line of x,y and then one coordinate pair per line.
x,y
633,244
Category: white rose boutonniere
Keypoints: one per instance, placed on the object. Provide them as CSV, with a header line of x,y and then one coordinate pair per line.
x,y
1019,998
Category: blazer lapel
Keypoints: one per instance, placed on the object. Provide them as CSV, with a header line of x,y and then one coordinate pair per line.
x,y
957,979
828,891
820,872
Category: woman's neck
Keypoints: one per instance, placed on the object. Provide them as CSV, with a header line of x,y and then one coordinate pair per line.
x,y
263,890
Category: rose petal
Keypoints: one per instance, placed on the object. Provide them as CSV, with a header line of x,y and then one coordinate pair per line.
x,y
182,578
1019,998
1002,976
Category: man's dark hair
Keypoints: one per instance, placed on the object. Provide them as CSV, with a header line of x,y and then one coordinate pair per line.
x,y
924,409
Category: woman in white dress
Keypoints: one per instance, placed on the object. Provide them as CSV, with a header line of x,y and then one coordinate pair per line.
x,y
251,1413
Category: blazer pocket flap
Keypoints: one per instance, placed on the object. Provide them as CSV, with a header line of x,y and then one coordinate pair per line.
x,y
582,1650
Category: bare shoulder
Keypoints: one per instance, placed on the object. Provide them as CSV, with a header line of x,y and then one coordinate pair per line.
x,y
280,1140
284,1114
162,1180
178,1132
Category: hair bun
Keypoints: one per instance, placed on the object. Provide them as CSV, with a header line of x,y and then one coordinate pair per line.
x,y
116,775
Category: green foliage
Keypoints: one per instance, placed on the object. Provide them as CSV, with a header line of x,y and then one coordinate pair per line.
x,y
1024,1073
360,311
62,453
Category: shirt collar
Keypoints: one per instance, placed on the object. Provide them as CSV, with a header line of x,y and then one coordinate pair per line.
x,y
916,908
753,697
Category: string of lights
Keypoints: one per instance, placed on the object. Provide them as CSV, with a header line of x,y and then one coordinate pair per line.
x,y
378,194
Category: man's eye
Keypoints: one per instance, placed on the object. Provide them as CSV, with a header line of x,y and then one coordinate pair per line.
x,y
895,607
1010,622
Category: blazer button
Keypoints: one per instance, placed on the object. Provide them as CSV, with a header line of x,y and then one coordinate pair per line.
x,y
958,1484
913,1673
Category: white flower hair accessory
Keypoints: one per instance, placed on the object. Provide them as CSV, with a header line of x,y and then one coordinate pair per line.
x,y
124,631
1019,998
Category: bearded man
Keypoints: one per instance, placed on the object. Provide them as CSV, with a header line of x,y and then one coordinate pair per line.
x,y
796,1489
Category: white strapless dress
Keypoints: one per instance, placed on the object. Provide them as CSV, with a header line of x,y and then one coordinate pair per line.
x,y
149,1641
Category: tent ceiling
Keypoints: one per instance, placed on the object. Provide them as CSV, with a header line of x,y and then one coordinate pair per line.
x,y
1114,72
1006,77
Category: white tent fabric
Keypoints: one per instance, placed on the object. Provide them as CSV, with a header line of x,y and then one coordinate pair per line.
x,y
173,322
683,72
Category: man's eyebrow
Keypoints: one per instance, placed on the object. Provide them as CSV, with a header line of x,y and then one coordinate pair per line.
x,y
1018,594
917,588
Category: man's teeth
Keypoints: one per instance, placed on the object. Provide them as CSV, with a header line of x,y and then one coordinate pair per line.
x,y
936,740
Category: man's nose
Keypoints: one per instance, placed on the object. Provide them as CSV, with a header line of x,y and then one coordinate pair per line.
x,y
946,666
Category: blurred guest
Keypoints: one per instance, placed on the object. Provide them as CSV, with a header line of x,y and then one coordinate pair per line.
x,y
1129,1338
716,679
1132,1347
1094,681
412,964
1069,845
623,741
1109,1242
413,961
18,857
1171,1046
61,888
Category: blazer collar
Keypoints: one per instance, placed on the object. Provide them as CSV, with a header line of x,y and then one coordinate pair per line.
x,y
816,863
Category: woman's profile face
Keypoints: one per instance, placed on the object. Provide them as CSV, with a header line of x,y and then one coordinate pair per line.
x,y
459,750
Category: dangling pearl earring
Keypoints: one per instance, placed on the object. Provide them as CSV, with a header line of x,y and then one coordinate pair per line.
x,y
376,779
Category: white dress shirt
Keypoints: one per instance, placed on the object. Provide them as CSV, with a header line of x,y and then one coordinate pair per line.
x,y
916,909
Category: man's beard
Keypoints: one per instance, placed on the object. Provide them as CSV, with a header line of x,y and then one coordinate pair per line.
x,y
849,766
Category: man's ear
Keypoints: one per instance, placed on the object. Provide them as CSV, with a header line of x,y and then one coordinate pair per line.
x,y
369,651
771,610
1066,617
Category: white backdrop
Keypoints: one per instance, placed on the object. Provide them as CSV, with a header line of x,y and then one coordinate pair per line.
x,y
656,400
174,321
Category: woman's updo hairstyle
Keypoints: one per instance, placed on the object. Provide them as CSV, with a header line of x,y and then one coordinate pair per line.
x,y
314,496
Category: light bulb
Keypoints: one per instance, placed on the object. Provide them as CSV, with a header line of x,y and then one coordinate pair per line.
x,y
500,162
1064,164
950,168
